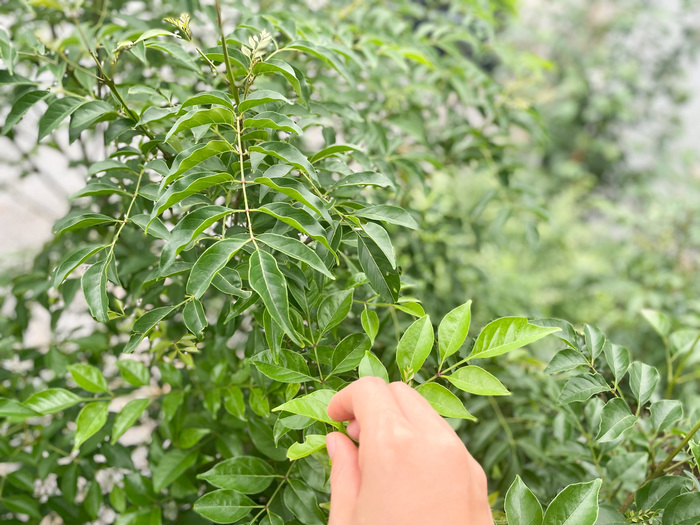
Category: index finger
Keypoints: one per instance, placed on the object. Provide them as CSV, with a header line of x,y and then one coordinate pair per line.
x,y
368,400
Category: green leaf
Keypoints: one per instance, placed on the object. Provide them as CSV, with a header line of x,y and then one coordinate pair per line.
x,y
202,117
269,283
8,53
298,219
313,405
127,417
72,260
287,367
209,97
443,401
189,227
348,354
282,68
224,506
575,504
287,153
665,413
333,309
13,409
301,500
324,55
370,323
383,278
52,400
245,474
91,418
171,466
331,151
98,187
94,284
521,505
507,334
58,110
682,510
134,372
194,156
186,186
87,115
363,178
580,388
414,347
229,281
145,324
618,359
453,330
261,96
477,381
211,262
656,494
312,443
22,504
89,378
194,317
371,366
661,323
616,418
20,108
566,360
643,380
189,437
295,249
78,219
234,403
381,238
297,191
388,214
273,120
595,340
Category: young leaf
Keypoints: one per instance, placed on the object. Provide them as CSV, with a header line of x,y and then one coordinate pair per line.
x,y
443,401
414,347
373,367
212,261
312,443
171,466
224,506
91,418
134,372
580,388
643,381
269,283
312,405
370,323
521,505
295,249
477,381
88,377
52,400
453,330
245,474
389,214
507,334
575,504
14,410
348,353
127,417
298,219
193,315
615,420
94,284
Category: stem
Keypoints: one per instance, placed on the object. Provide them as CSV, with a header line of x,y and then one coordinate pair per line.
x,y
266,508
660,469
227,60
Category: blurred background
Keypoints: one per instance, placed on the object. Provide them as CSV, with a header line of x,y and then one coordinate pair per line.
x,y
590,218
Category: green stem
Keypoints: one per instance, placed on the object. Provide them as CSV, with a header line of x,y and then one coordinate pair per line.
x,y
266,508
227,60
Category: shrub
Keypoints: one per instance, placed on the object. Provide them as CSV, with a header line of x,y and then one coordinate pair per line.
x,y
233,243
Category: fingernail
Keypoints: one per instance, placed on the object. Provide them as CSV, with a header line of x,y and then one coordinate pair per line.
x,y
330,445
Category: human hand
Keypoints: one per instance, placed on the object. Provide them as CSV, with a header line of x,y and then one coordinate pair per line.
x,y
410,467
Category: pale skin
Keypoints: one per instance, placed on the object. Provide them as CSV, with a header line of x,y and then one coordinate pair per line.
x,y
410,467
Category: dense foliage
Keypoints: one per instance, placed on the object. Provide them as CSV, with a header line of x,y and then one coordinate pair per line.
x,y
249,172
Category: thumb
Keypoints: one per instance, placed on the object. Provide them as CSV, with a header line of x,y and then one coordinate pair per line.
x,y
345,477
